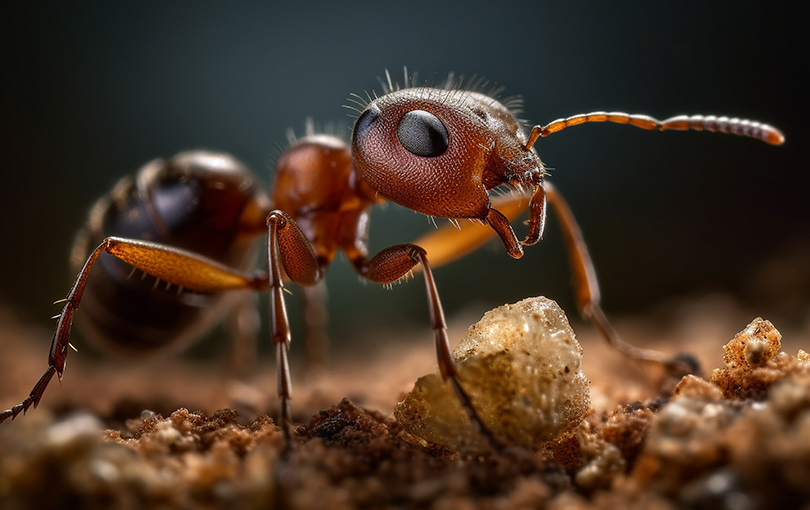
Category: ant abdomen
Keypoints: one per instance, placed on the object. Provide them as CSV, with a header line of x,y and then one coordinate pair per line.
x,y
199,201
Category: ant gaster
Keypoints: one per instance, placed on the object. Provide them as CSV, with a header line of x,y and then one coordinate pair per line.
x,y
438,151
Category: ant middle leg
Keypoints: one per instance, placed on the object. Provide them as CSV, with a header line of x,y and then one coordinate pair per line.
x,y
287,247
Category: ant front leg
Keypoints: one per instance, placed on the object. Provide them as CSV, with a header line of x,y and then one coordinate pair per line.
x,y
447,244
394,263
243,325
177,267
587,291
457,240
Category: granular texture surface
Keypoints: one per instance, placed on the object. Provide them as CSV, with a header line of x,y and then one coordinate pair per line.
x,y
521,367
737,439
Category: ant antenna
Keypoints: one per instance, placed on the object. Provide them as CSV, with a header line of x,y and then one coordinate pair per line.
x,y
735,126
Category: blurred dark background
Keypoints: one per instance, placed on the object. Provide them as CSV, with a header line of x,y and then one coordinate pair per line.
x,y
91,92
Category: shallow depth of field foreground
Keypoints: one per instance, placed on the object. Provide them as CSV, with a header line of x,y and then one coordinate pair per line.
x,y
616,435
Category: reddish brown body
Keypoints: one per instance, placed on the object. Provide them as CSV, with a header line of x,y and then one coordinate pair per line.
x,y
438,151
315,183
484,146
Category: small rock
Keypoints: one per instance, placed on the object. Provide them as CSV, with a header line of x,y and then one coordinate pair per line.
x,y
520,365
753,346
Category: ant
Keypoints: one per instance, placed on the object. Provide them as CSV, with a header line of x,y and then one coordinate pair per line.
x,y
440,151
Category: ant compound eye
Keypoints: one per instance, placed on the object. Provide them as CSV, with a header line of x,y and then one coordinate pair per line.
x,y
422,134
364,122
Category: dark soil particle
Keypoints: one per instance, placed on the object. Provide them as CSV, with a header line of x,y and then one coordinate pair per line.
x,y
739,439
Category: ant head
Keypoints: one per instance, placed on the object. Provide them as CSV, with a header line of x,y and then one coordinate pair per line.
x,y
439,151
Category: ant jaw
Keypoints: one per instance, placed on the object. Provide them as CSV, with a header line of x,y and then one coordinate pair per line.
x,y
532,240
532,178
537,212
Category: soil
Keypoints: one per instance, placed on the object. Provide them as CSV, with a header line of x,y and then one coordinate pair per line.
x,y
181,434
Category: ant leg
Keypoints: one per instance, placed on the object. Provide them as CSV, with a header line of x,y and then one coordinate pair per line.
x,y
537,217
454,241
396,262
243,324
288,246
587,289
177,267
315,320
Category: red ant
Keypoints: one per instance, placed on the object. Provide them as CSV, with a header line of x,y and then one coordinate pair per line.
x,y
438,151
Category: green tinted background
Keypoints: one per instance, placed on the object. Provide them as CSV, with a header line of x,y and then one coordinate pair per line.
x,y
91,92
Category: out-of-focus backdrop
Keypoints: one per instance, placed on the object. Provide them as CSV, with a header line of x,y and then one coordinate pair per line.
x,y
92,92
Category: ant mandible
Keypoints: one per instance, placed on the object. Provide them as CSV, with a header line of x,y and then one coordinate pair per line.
x,y
439,151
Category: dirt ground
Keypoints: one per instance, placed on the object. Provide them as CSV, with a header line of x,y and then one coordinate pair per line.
x,y
179,434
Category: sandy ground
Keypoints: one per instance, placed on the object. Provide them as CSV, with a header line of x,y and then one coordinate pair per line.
x,y
207,441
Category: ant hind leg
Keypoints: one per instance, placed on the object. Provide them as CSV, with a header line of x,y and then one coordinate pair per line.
x,y
175,266
588,297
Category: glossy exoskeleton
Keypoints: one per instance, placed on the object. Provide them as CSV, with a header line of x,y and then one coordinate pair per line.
x,y
438,151
199,201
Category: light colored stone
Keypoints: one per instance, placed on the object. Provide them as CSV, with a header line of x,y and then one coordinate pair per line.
x,y
520,365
